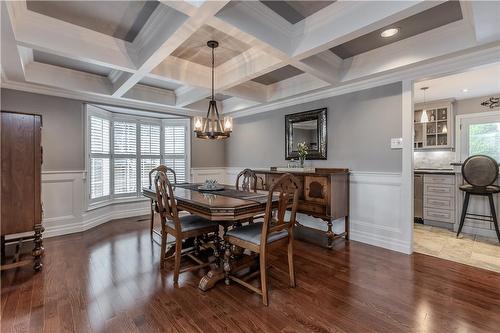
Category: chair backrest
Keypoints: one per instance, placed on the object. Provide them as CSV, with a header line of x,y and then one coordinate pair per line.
x,y
480,170
165,199
248,181
162,168
286,188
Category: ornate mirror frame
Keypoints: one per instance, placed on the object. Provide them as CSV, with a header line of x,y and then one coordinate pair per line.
x,y
290,119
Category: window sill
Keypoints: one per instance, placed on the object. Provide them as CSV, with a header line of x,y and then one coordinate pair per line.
x,y
116,201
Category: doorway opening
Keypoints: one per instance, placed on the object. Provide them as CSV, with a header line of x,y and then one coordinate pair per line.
x,y
455,117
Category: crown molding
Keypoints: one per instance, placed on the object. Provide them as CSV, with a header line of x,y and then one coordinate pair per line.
x,y
85,97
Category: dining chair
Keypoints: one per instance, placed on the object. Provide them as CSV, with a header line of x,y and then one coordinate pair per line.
x,y
275,231
246,181
180,227
167,170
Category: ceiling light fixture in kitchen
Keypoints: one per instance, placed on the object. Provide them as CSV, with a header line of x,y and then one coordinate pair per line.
x,y
424,118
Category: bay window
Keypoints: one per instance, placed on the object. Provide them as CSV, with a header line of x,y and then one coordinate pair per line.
x,y
124,148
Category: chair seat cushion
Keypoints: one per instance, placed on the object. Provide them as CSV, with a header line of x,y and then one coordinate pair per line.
x,y
251,233
480,190
193,222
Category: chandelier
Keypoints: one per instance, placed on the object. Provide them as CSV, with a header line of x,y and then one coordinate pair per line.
x,y
211,127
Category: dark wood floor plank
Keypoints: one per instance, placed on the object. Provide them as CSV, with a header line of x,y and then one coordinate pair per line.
x,y
108,280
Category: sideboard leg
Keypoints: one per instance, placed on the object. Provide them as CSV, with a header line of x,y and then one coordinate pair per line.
x,y
330,234
347,227
38,249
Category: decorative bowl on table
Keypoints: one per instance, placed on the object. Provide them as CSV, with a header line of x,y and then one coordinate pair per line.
x,y
210,185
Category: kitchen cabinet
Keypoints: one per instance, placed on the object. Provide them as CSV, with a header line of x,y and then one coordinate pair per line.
x,y
439,200
438,131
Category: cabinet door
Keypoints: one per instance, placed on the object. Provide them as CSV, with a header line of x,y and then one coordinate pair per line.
x,y
21,172
316,189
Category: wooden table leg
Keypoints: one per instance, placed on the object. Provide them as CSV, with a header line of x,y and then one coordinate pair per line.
x,y
223,272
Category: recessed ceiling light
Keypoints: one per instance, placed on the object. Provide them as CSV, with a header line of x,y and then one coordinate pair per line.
x,y
465,90
389,32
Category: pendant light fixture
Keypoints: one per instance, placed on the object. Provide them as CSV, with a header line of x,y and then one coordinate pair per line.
x,y
212,127
424,118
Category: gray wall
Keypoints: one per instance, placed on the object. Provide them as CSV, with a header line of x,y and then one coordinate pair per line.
x,y
62,132
360,126
207,154
472,105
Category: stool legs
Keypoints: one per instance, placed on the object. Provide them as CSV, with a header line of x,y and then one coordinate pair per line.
x,y
464,212
494,215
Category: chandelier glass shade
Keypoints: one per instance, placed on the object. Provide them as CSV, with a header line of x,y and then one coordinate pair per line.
x,y
212,127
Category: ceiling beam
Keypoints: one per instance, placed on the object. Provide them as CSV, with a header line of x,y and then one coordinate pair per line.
x,y
189,95
251,91
180,70
12,65
149,94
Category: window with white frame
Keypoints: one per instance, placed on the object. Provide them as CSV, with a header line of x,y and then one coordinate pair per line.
x,y
123,149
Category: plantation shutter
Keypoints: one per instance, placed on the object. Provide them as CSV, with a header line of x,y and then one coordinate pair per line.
x,y
175,150
125,157
150,150
99,157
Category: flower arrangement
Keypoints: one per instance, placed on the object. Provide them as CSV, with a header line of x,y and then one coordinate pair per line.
x,y
302,150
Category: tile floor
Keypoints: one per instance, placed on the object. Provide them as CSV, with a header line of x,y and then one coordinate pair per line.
x,y
472,250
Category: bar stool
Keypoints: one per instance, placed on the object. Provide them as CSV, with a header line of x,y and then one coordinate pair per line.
x,y
480,172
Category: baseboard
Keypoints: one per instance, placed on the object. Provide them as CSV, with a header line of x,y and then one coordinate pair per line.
x,y
89,222
381,241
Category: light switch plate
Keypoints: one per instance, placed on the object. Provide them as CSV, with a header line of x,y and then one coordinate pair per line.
x,y
397,143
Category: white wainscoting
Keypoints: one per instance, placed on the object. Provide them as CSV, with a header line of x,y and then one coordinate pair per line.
x,y
375,211
375,200
64,205
375,207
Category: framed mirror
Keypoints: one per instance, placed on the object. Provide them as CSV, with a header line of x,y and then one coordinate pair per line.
x,y
308,127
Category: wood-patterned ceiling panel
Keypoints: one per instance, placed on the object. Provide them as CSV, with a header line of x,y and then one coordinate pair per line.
x,y
195,48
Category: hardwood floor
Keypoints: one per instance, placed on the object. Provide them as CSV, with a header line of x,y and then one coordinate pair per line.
x,y
108,279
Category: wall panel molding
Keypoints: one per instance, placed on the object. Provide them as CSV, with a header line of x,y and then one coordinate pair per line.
x,y
375,201
63,198
375,205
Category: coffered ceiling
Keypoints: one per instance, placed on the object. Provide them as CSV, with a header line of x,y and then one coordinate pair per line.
x,y
152,55
429,19
195,49
296,11
120,19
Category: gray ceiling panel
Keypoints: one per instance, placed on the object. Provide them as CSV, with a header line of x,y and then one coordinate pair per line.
x,y
278,75
120,19
432,18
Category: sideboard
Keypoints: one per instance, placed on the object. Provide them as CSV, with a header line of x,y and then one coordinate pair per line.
x,y
323,193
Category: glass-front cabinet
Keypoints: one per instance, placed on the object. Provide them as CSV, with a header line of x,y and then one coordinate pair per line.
x,y
434,129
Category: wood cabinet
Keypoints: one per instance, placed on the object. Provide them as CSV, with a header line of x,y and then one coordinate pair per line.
x,y
438,131
323,193
21,155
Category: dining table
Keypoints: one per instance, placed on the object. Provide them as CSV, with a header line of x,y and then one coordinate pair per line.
x,y
227,206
